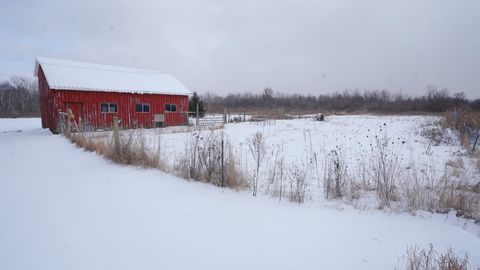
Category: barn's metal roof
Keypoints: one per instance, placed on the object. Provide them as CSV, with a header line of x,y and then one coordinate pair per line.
x,y
70,75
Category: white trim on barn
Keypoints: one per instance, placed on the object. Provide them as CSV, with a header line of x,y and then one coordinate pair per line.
x,y
70,75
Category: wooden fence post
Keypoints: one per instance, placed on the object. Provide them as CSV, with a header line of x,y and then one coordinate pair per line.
x,y
116,136
60,127
224,116
223,161
68,131
196,119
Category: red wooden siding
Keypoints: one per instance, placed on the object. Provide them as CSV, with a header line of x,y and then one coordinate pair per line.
x,y
86,104
46,101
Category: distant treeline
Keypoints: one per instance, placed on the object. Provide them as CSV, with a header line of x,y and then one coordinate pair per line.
x,y
375,101
19,98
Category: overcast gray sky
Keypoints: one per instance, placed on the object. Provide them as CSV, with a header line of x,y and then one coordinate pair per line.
x,y
231,46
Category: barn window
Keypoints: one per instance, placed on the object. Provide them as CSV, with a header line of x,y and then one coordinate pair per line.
x,y
170,107
142,107
108,107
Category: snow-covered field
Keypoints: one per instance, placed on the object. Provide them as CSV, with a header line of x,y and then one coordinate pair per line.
x,y
19,124
355,139
354,134
64,208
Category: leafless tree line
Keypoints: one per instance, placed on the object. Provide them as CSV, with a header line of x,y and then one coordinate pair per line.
x,y
19,97
381,101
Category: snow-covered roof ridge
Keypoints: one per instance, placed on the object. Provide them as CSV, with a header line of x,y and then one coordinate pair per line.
x,y
72,75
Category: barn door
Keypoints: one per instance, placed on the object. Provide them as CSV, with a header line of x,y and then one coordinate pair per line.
x,y
77,110
159,120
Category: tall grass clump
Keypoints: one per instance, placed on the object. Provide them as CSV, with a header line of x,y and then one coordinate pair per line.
x,y
335,174
430,259
133,148
209,157
466,122
258,150
298,179
385,169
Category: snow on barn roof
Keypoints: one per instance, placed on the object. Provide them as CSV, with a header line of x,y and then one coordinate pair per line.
x,y
70,75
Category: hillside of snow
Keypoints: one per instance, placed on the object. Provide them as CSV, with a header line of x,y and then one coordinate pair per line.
x,y
64,208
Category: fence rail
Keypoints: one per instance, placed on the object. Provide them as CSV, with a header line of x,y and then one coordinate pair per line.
x,y
211,120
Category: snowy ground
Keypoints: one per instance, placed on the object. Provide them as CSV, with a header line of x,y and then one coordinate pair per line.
x,y
64,208
19,124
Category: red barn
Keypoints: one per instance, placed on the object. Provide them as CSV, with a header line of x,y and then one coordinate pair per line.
x,y
97,93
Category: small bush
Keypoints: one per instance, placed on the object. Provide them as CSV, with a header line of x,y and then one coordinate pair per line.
x,y
334,180
276,173
202,161
135,150
435,134
234,176
430,259
298,183
467,123
416,190
385,170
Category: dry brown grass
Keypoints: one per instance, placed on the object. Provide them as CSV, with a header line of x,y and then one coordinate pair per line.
x,y
297,178
133,149
466,122
430,259
409,189
406,189
92,145
201,161
426,190
234,176
335,174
